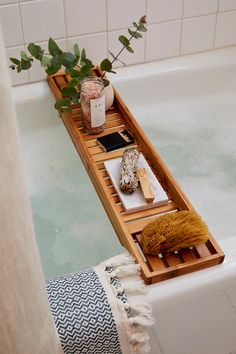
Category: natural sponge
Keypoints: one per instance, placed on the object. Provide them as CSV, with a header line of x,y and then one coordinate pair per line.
x,y
174,231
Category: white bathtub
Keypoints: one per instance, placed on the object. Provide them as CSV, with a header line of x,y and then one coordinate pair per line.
x,y
187,106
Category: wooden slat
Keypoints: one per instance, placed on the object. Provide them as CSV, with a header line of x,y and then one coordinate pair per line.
x,y
61,82
150,212
96,150
113,116
120,208
172,259
187,255
104,173
155,262
112,190
91,143
110,155
116,199
100,165
108,182
184,268
111,121
203,251
108,131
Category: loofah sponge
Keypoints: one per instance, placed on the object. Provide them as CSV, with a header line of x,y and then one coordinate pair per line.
x,y
174,231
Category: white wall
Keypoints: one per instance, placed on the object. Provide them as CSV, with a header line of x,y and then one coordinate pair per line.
x,y
175,27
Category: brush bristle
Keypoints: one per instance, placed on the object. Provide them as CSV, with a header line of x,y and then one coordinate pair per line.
x,y
174,231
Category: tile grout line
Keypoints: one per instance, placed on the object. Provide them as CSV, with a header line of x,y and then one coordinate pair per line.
x,y
217,13
22,31
181,29
65,23
107,27
145,36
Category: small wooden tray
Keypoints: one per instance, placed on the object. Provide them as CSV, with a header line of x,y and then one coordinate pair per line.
x,y
128,227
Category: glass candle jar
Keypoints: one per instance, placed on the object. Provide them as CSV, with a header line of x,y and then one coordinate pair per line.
x,y
92,98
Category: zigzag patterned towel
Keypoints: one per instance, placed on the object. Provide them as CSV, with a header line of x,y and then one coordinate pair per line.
x,y
92,313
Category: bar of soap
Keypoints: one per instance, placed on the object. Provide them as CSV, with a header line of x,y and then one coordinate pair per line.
x,y
145,185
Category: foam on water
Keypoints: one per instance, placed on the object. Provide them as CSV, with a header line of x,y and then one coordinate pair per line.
x,y
196,138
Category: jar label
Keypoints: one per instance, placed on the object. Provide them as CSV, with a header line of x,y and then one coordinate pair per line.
x,y
97,107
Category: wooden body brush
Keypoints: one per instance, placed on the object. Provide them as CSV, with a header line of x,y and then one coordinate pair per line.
x,y
174,231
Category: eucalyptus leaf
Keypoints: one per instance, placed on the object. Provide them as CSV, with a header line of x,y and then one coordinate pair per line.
x,y
135,24
15,61
116,58
129,49
106,65
45,61
83,57
85,71
76,50
18,68
134,34
74,73
124,40
25,64
36,51
139,35
142,28
72,82
69,92
63,105
68,60
75,100
23,55
53,47
54,66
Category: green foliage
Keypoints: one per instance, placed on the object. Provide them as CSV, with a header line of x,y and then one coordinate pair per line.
x,y
129,49
124,40
15,61
75,63
36,51
106,65
53,47
76,50
134,34
63,105
45,61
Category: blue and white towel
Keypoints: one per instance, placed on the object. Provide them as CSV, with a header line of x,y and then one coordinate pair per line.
x,y
92,312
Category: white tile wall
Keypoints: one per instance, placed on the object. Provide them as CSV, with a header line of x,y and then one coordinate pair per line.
x,y
202,30
42,19
163,40
175,27
164,10
78,14
226,29
121,13
11,25
199,7
226,5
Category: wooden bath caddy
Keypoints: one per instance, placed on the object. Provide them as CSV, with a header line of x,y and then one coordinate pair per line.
x,y
128,227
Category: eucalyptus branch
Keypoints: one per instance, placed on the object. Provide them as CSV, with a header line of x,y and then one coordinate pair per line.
x,y
116,57
76,64
106,64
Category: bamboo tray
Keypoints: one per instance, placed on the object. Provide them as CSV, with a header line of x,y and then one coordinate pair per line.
x,y
128,227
